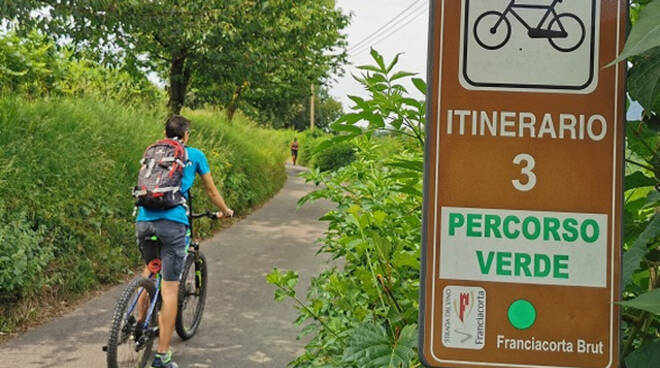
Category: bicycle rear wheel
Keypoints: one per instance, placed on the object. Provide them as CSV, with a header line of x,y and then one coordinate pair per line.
x,y
492,30
192,296
129,345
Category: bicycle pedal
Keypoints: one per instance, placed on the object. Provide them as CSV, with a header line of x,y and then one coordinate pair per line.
x,y
154,332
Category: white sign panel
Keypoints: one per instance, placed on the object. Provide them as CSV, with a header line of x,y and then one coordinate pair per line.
x,y
529,247
530,45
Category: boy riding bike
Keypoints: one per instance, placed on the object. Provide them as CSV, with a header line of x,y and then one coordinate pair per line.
x,y
170,226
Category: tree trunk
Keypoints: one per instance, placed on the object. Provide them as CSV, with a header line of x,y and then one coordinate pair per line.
x,y
233,104
179,78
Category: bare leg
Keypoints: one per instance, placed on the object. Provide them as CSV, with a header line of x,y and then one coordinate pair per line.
x,y
170,293
143,302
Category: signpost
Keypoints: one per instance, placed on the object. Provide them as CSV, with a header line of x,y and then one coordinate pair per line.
x,y
523,184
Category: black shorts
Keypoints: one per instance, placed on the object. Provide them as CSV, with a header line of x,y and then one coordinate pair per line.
x,y
294,153
171,243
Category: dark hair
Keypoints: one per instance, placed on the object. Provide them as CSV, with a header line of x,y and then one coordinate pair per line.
x,y
176,126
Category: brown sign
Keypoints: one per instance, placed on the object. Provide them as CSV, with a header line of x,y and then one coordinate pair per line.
x,y
523,206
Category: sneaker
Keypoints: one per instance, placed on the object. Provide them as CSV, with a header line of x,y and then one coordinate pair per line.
x,y
164,361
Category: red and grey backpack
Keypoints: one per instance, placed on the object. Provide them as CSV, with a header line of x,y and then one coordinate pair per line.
x,y
159,181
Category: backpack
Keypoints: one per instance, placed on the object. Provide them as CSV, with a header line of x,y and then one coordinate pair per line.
x,y
161,171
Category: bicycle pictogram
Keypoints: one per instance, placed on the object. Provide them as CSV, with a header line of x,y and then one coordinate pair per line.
x,y
565,31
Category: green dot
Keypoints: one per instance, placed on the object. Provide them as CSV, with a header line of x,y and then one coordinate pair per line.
x,y
522,314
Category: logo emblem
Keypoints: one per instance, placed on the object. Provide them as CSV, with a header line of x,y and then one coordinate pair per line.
x,y
530,45
464,317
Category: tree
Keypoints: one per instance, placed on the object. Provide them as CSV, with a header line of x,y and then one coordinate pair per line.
x,y
263,51
276,51
163,35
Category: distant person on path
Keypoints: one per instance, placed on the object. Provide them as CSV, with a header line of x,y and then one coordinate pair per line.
x,y
170,227
294,150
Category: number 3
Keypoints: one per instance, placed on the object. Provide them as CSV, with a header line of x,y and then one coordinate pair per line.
x,y
527,171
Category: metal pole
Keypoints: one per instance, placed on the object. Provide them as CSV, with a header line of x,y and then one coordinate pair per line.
x,y
311,109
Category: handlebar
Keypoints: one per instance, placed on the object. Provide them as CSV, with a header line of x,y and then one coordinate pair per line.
x,y
209,214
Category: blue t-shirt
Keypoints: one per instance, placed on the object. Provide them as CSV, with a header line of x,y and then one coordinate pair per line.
x,y
197,164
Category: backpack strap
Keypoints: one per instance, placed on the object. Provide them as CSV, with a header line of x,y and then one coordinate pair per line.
x,y
166,189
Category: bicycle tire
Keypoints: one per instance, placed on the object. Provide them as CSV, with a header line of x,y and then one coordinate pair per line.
x,y
115,339
193,283
497,45
579,22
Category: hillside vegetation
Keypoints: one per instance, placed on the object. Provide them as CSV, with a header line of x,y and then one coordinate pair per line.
x,y
69,164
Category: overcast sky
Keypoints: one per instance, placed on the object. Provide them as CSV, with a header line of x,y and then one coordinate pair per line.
x,y
407,34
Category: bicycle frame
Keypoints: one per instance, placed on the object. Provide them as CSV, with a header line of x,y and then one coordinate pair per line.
x,y
153,302
157,275
512,6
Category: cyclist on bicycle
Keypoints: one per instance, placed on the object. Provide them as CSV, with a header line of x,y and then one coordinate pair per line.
x,y
170,227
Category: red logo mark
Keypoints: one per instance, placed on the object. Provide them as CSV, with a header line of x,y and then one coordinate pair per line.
x,y
464,301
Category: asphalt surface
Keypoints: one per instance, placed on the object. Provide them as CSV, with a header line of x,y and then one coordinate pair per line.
x,y
242,326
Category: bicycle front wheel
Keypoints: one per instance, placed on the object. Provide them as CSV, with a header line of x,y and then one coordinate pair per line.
x,y
575,32
192,296
492,30
129,345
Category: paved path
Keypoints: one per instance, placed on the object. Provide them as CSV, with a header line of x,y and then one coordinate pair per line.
x,y
242,325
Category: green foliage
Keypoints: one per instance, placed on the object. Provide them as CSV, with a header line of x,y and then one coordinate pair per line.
x,y
638,250
365,314
390,109
22,256
645,35
66,203
334,157
308,141
232,51
644,78
271,54
641,260
649,302
371,346
27,65
375,232
162,35
32,66
646,357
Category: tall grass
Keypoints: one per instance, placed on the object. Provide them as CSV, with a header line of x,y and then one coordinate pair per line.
x,y
68,167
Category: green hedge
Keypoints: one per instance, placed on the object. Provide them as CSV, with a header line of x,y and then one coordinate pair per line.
x,y
342,154
335,157
68,167
308,140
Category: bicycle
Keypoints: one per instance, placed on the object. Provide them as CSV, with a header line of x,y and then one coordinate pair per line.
x,y
130,343
491,35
